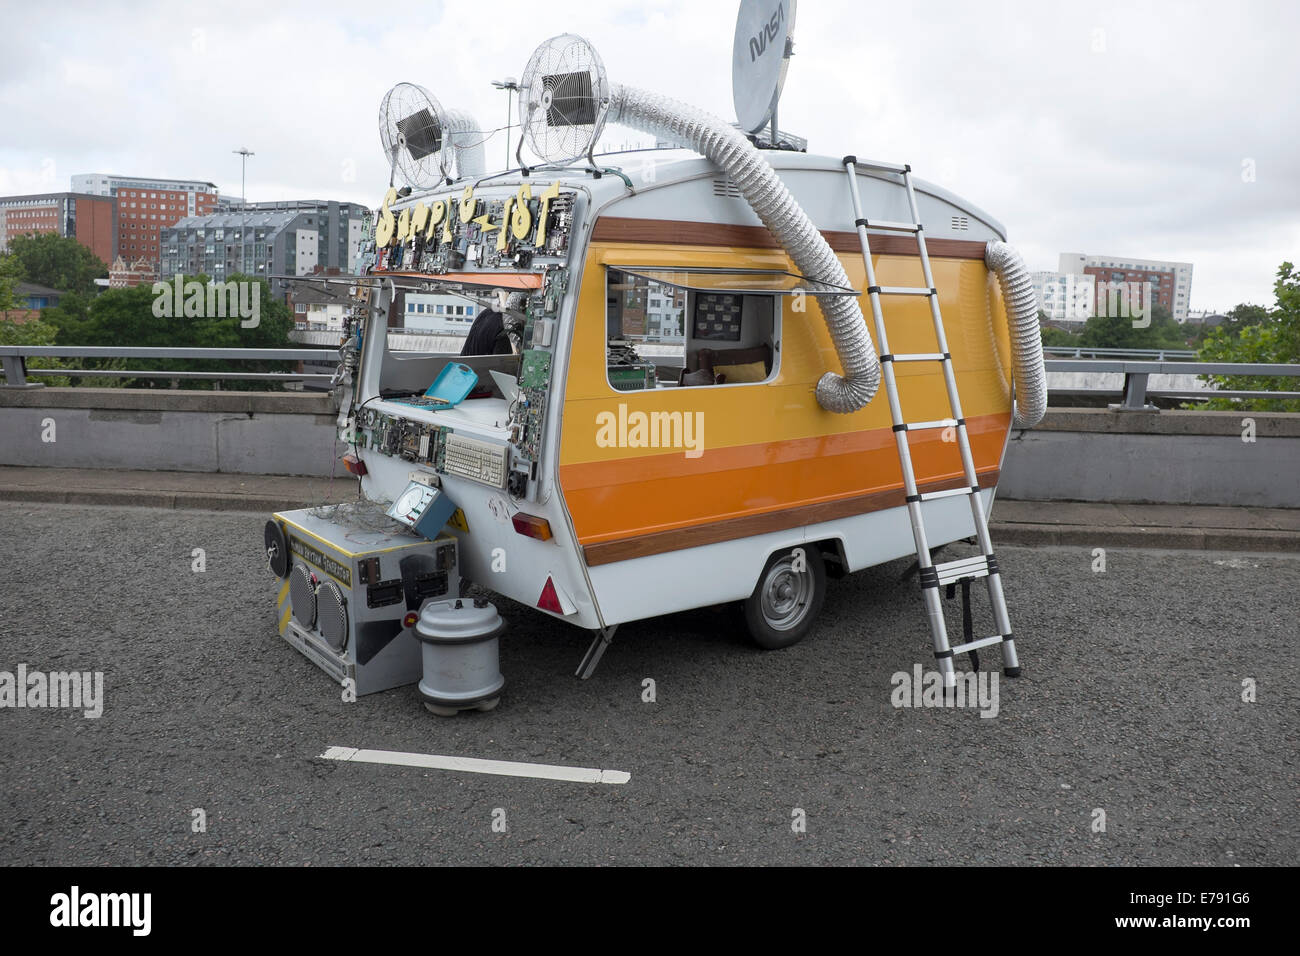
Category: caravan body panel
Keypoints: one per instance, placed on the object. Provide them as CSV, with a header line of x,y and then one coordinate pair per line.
x,y
639,531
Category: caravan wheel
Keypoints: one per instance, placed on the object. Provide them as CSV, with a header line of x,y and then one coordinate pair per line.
x,y
784,605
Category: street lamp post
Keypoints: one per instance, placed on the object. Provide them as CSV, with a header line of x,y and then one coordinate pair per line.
x,y
244,152
510,85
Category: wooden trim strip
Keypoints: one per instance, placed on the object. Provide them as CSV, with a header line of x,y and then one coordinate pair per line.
x,y
688,233
660,542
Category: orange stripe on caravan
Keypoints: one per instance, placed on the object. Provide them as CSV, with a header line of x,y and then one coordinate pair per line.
x,y
674,464
660,542
647,494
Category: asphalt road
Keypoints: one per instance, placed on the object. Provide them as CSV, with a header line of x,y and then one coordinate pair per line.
x,y
1131,704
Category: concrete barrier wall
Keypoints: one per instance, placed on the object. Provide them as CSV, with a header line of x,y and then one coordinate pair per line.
x,y
254,433
1084,454
1171,457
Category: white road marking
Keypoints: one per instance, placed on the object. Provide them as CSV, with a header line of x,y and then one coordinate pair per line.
x,y
505,768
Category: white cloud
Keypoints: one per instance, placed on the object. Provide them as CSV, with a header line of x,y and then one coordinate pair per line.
x,y
1112,128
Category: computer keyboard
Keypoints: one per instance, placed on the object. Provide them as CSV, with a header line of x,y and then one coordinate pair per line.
x,y
477,460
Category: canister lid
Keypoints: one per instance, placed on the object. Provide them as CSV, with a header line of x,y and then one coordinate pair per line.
x,y
456,621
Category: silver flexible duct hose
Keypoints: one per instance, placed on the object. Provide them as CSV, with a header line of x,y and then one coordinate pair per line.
x,y
467,139
762,188
1021,303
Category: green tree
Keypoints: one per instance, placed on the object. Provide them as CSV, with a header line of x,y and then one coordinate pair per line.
x,y
58,262
11,273
1274,338
1053,337
126,317
1245,315
1120,332
35,333
69,317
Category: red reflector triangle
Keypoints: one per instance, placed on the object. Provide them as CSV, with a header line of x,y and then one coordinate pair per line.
x,y
550,601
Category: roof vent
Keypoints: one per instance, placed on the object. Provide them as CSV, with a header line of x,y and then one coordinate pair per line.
x,y
725,188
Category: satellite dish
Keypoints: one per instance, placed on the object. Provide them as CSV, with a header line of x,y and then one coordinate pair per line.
x,y
760,56
413,131
563,96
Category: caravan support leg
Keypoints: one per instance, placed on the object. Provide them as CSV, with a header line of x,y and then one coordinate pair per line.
x,y
604,635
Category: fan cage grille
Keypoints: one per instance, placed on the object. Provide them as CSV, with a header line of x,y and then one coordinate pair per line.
x,y
562,98
412,130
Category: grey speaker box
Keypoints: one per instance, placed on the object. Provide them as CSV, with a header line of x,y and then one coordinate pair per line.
x,y
352,584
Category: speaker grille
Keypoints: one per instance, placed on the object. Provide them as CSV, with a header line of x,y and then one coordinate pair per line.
x,y
302,596
332,610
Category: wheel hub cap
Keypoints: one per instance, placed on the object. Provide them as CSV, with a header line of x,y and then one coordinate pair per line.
x,y
786,593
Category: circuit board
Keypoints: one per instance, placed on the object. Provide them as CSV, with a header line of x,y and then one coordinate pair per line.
x,y
535,369
421,401
514,466
435,445
467,232
533,416
534,387
399,437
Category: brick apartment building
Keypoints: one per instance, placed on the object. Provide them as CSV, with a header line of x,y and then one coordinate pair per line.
x,y
113,216
1162,285
1171,282
88,219
143,207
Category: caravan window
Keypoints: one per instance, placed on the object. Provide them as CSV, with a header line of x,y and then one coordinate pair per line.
x,y
697,328
644,330
682,330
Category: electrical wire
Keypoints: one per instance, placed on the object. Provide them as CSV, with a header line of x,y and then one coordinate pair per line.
x,y
490,133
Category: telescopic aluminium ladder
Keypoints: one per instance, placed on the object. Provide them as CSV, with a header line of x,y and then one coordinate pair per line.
x,y
984,565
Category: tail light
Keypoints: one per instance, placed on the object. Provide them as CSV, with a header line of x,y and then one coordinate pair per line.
x,y
354,464
531,526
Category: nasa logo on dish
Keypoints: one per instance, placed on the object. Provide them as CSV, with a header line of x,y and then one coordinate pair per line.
x,y
758,43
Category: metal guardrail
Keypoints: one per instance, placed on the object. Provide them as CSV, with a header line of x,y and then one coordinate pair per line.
x,y
13,358
1158,355
1137,375
1135,392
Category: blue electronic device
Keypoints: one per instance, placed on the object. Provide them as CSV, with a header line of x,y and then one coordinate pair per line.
x,y
423,508
453,383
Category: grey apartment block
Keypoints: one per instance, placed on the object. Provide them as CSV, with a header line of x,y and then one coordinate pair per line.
x,y
264,239
340,225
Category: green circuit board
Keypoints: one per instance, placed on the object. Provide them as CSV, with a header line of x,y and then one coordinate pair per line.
x,y
535,369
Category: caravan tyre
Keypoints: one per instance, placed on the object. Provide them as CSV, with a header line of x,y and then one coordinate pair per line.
x,y
787,598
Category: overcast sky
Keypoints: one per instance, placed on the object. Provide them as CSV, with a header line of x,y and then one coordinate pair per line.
x,y
1130,129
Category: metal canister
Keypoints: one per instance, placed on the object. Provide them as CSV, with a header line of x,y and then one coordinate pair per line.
x,y
459,641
